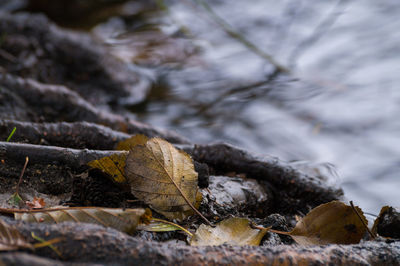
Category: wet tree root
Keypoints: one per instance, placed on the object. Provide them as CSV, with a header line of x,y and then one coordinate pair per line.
x,y
78,135
87,243
294,191
56,103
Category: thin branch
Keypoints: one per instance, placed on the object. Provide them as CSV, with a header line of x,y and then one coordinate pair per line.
x,y
22,174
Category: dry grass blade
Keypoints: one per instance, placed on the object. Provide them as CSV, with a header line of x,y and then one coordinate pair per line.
x,y
163,177
11,239
160,225
125,220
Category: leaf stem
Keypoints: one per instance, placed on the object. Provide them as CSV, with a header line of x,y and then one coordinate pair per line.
x,y
362,220
269,229
191,205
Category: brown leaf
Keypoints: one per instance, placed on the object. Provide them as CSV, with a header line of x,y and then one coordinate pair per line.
x,y
36,203
11,239
233,231
113,166
124,220
387,224
163,177
330,223
378,219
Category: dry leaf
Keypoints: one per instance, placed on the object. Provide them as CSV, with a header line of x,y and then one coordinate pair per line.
x,y
387,224
330,223
159,225
233,231
112,165
163,177
378,219
36,203
128,144
11,239
124,220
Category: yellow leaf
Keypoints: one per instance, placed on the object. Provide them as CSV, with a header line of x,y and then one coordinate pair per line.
x,y
128,144
112,165
330,223
159,225
233,231
124,220
163,177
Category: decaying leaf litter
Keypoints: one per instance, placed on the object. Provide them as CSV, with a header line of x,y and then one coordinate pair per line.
x,y
164,178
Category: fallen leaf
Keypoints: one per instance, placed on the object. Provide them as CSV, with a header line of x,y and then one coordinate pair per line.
x,y
159,225
15,200
233,231
112,165
387,224
330,223
11,238
36,203
125,220
163,177
128,144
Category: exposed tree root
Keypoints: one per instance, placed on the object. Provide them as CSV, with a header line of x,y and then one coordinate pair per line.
x,y
58,103
95,244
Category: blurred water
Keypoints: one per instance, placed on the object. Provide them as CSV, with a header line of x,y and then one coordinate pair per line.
x,y
340,105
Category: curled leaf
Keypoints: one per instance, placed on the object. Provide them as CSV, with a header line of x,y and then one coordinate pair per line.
x,y
233,231
125,220
330,223
112,165
163,177
36,203
11,238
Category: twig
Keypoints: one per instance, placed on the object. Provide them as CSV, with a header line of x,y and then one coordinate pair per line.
x,y
22,173
362,221
237,36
